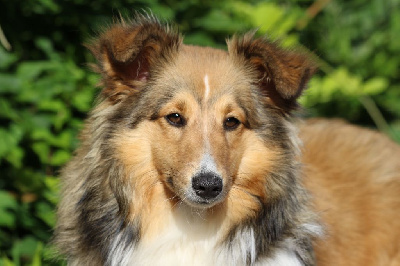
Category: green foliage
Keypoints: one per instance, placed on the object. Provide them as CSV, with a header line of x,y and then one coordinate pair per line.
x,y
360,47
46,89
42,104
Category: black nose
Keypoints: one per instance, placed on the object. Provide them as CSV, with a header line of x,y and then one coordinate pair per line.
x,y
207,185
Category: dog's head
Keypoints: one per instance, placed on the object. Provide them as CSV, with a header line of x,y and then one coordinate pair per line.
x,y
197,125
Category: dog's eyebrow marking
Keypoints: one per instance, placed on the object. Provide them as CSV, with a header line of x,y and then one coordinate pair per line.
x,y
207,87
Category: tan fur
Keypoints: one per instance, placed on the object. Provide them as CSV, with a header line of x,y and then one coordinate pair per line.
x,y
354,177
181,150
132,195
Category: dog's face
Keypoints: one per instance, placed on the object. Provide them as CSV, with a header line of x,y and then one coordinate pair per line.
x,y
204,125
200,133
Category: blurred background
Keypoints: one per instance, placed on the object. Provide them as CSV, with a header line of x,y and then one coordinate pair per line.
x,y
46,88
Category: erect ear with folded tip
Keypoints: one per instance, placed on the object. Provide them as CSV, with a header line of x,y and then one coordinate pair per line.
x,y
128,52
282,75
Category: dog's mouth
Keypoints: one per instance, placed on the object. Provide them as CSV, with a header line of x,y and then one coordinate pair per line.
x,y
194,200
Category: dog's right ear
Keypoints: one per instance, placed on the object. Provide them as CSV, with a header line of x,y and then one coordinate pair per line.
x,y
128,52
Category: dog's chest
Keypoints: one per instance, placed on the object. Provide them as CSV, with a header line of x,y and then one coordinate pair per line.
x,y
183,252
175,250
188,238
194,240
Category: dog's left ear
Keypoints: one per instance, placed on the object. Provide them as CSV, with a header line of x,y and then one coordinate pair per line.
x,y
282,75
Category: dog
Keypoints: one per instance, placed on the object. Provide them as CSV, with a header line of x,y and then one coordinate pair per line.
x,y
193,156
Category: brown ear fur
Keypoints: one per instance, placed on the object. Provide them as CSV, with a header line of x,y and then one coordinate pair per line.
x,y
127,53
281,74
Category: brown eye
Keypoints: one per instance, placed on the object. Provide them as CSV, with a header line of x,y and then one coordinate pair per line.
x,y
175,120
231,123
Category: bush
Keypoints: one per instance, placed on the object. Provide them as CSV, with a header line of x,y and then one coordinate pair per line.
x,y
46,88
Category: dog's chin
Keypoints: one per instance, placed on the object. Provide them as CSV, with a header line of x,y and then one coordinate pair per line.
x,y
195,201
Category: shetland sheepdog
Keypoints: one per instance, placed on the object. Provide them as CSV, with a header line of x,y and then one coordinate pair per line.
x,y
192,157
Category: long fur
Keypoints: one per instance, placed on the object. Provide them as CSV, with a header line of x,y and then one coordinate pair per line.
x,y
128,196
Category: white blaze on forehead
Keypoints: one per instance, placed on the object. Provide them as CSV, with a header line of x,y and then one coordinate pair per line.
x,y
207,87
204,117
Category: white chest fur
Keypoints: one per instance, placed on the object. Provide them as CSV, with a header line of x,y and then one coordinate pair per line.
x,y
190,239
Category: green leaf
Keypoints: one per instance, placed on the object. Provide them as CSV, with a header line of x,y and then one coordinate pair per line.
x,y
37,256
4,261
60,157
266,16
46,46
42,134
199,38
61,118
8,206
9,139
83,100
63,140
218,21
347,83
39,120
166,12
42,149
24,248
6,58
52,192
51,105
7,111
15,157
46,213
29,71
9,83
375,86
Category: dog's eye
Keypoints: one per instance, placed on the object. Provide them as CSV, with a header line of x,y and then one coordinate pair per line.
x,y
231,123
175,119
